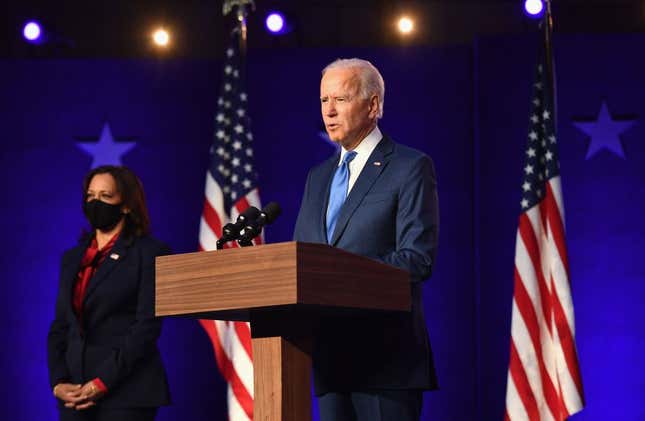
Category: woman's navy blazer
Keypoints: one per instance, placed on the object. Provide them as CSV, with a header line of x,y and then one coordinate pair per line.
x,y
117,341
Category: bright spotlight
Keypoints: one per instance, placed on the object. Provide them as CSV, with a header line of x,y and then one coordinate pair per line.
x,y
406,25
32,31
534,8
161,37
275,22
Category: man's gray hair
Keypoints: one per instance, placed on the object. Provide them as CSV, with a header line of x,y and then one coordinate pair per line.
x,y
371,81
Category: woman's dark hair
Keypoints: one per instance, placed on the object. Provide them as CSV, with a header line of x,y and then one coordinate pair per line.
x,y
137,221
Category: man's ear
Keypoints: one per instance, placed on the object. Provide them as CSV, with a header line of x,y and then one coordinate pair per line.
x,y
374,104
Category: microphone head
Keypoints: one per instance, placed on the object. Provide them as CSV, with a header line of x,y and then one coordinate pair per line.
x,y
271,212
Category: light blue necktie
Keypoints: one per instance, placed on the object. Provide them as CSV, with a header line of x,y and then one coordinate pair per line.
x,y
338,193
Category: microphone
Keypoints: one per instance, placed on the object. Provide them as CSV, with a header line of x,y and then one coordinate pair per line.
x,y
269,214
232,231
266,217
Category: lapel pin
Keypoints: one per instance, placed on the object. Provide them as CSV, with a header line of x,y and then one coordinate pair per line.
x,y
377,163
114,256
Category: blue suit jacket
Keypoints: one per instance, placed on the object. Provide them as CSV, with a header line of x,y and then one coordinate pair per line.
x,y
118,339
390,215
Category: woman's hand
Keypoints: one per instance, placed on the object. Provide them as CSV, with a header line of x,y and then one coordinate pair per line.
x,y
68,393
89,393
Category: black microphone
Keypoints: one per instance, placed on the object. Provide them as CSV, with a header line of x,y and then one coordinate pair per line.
x,y
232,231
254,228
269,214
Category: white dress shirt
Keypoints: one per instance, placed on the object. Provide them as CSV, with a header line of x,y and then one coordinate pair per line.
x,y
363,152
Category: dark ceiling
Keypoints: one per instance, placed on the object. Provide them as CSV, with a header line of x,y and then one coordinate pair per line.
x,y
121,28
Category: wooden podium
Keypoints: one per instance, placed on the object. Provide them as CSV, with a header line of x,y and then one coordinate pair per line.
x,y
283,289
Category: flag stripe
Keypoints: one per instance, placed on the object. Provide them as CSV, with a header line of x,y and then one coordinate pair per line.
x,y
211,218
524,390
530,242
241,205
235,409
232,347
530,320
555,186
214,196
245,400
557,225
568,346
207,239
568,374
514,403
563,307
529,287
244,335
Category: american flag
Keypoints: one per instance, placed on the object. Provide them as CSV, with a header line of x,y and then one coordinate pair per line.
x,y
543,378
231,187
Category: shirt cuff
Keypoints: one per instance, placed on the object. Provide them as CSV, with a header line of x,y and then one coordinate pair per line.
x,y
100,385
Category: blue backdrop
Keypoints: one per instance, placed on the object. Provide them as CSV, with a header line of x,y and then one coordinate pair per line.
x,y
465,106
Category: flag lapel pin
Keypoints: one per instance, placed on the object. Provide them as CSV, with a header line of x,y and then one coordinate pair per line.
x,y
377,163
114,256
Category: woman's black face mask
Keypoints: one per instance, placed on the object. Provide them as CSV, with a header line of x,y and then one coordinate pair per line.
x,y
102,216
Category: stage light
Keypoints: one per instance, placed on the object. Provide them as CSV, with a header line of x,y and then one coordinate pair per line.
x,y
534,8
406,25
32,31
275,23
161,37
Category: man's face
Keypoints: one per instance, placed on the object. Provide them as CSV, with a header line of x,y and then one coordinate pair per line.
x,y
348,118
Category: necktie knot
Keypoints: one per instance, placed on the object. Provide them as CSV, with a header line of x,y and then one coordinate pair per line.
x,y
349,156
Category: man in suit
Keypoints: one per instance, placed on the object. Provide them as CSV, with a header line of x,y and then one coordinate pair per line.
x,y
378,199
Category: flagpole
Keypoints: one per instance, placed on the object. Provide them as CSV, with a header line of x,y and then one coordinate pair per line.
x,y
548,37
241,8
548,51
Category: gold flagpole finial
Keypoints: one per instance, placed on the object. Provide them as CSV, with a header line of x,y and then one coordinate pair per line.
x,y
242,10
241,5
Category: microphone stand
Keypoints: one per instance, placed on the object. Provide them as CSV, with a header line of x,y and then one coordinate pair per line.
x,y
245,243
247,240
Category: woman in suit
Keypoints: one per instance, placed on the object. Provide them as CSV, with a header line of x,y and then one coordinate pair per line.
x,y
102,345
